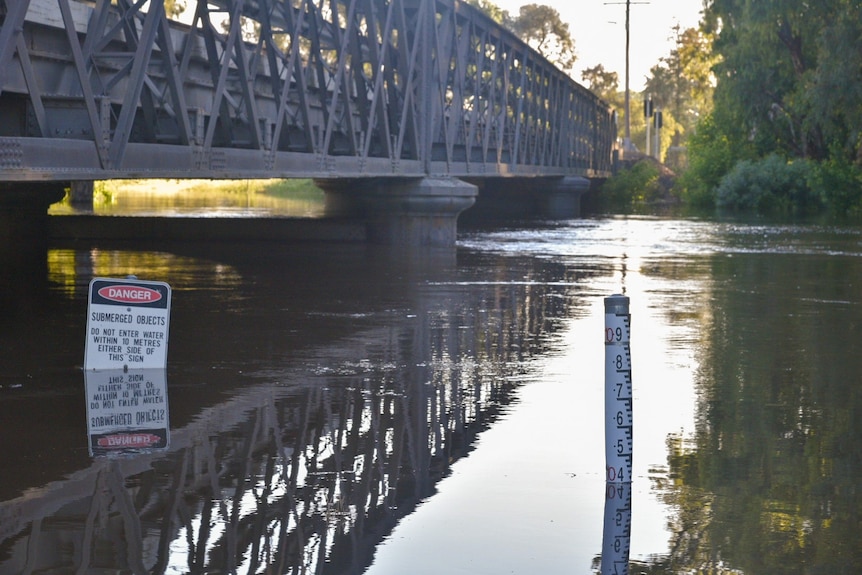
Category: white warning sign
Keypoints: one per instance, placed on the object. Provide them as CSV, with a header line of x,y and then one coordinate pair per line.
x,y
127,324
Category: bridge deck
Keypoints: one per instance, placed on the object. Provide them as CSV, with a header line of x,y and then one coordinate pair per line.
x,y
275,88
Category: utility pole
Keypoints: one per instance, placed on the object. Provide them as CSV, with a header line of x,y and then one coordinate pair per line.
x,y
627,141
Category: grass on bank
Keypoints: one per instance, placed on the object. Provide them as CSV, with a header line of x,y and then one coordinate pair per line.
x,y
294,197
273,187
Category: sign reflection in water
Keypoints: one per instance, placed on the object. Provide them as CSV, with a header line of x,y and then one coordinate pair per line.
x,y
127,411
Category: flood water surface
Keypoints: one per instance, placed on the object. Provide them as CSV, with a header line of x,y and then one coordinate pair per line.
x,y
345,408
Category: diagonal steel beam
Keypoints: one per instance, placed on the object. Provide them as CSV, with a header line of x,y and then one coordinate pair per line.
x,y
412,128
221,81
137,74
9,35
293,68
378,120
246,80
33,89
84,79
340,88
174,83
422,80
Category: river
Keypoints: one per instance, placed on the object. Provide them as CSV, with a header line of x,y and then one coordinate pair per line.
x,y
346,408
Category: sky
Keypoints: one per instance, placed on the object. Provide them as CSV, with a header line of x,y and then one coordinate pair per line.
x,y
598,28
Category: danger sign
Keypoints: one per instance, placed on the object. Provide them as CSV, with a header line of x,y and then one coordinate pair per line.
x,y
127,324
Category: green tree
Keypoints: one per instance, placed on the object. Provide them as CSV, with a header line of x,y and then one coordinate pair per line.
x,y
771,56
835,99
174,8
788,86
539,26
604,84
542,28
496,13
696,61
682,82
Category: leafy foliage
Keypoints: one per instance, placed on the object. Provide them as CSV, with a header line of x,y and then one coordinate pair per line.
x,y
839,182
541,27
791,73
682,83
770,185
538,25
789,86
604,84
174,8
496,13
712,153
631,187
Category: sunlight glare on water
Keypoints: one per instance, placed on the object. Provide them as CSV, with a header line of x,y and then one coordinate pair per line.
x,y
537,476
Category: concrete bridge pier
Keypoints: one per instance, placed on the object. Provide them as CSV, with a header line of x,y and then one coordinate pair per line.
x,y
400,211
81,193
562,199
24,240
517,197
24,213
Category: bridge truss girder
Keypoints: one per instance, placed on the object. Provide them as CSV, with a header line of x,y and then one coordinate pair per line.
x,y
284,88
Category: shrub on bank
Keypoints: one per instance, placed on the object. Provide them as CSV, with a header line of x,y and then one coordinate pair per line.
x,y
770,185
839,181
775,185
632,186
711,155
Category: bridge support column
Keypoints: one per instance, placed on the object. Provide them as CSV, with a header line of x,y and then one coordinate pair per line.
x,y
562,200
81,193
536,197
24,242
406,212
24,211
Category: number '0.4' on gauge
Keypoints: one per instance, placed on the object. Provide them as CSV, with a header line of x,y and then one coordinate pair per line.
x,y
127,324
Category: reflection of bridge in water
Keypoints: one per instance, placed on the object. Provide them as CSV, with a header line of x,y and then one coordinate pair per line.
x,y
305,475
369,97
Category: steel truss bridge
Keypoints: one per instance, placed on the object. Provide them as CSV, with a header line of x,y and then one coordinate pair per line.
x,y
326,89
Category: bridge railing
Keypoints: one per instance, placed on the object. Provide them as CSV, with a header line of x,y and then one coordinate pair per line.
x,y
284,88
